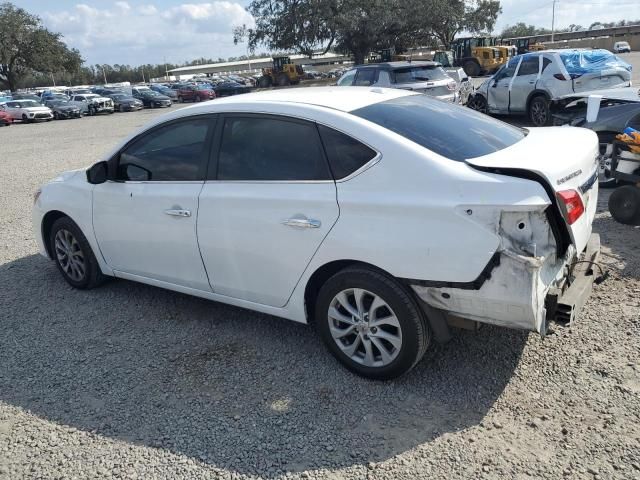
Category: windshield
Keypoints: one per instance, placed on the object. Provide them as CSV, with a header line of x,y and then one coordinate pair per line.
x,y
57,102
28,104
455,132
424,73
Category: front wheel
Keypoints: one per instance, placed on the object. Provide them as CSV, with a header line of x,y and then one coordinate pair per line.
x,y
478,103
471,68
624,205
371,323
73,255
539,112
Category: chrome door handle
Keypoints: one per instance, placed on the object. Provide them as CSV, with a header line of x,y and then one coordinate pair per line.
x,y
178,213
302,223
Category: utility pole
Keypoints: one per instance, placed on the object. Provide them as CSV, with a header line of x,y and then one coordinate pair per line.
x,y
553,20
166,71
104,75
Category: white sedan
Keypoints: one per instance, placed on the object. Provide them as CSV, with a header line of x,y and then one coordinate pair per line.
x,y
27,110
378,214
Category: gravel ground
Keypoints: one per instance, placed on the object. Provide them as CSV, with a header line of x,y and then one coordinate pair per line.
x,y
131,381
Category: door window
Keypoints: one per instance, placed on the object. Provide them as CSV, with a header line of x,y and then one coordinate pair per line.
x,y
175,152
345,154
529,66
269,148
347,78
507,71
366,77
545,63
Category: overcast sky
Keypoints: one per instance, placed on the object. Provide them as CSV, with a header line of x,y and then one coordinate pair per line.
x,y
150,31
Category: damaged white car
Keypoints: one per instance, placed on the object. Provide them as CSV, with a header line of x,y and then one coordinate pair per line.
x,y
380,215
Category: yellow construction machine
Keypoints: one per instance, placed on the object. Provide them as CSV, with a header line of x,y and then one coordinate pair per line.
x,y
282,72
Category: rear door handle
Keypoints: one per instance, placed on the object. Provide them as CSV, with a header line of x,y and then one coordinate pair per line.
x,y
302,223
178,212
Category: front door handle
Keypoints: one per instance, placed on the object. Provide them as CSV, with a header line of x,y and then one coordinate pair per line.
x,y
302,222
178,212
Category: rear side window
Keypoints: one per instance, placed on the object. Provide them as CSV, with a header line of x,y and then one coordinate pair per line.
x,y
529,66
545,63
345,154
175,152
270,149
455,132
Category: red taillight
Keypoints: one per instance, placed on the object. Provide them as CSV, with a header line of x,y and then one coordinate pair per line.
x,y
572,204
560,76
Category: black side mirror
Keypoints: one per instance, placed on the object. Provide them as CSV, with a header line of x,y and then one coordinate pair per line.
x,y
97,174
137,173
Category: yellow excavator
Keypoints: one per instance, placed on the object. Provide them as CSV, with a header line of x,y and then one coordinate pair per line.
x,y
283,72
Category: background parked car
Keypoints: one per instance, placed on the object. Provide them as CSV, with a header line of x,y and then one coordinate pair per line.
x,y
46,96
25,96
227,88
63,109
5,119
151,99
621,47
619,109
164,90
423,77
193,93
528,83
123,102
92,104
27,110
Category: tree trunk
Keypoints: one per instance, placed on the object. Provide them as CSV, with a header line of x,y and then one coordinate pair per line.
x,y
358,57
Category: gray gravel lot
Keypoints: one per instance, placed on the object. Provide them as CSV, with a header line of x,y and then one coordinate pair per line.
x,y
131,381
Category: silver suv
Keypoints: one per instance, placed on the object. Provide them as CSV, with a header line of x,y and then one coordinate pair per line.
x,y
528,83
425,77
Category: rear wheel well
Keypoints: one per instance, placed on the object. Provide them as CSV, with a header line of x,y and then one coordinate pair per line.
x,y
324,273
47,222
534,94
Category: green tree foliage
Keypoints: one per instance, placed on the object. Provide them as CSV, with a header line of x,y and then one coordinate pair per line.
x,y
362,26
29,49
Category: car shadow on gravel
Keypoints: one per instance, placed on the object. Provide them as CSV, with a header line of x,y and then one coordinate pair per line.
x,y
237,390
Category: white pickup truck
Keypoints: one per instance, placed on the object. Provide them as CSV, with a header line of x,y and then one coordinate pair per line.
x,y
91,103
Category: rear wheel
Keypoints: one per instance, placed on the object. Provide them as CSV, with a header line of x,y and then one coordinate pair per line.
x,y
624,205
371,323
471,68
539,112
73,255
283,80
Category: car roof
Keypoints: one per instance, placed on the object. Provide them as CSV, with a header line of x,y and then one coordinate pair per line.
x,y
392,65
345,99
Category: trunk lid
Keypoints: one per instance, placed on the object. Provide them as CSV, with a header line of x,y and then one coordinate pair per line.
x,y
564,158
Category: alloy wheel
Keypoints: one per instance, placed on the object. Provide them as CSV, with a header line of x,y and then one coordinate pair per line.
x,y
364,327
69,255
604,164
539,113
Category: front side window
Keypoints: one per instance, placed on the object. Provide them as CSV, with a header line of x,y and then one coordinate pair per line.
x,y
345,154
365,77
508,70
347,78
268,148
175,152
529,66
455,132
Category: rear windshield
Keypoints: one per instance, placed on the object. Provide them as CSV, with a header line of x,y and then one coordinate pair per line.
x,y
580,62
455,132
416,74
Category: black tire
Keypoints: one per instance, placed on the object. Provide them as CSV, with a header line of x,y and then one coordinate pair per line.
x,y
180,100
56,116
283,80
121,108
624,205
415,332
264,82
471,68
606,147
25,119
478,103
539,112
92,276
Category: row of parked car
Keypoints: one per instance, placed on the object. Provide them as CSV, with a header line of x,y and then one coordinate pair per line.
x,y
76,102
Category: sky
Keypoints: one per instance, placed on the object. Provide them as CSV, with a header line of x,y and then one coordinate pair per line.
x,y
156,31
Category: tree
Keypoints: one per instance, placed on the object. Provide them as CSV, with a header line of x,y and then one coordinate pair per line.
x,y
27,48
520,29
362,26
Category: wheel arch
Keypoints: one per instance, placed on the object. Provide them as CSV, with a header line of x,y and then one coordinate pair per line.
x,y
536,93
45,227
326,271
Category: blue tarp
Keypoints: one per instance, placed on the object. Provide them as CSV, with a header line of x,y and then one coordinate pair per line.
x,y
579,62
